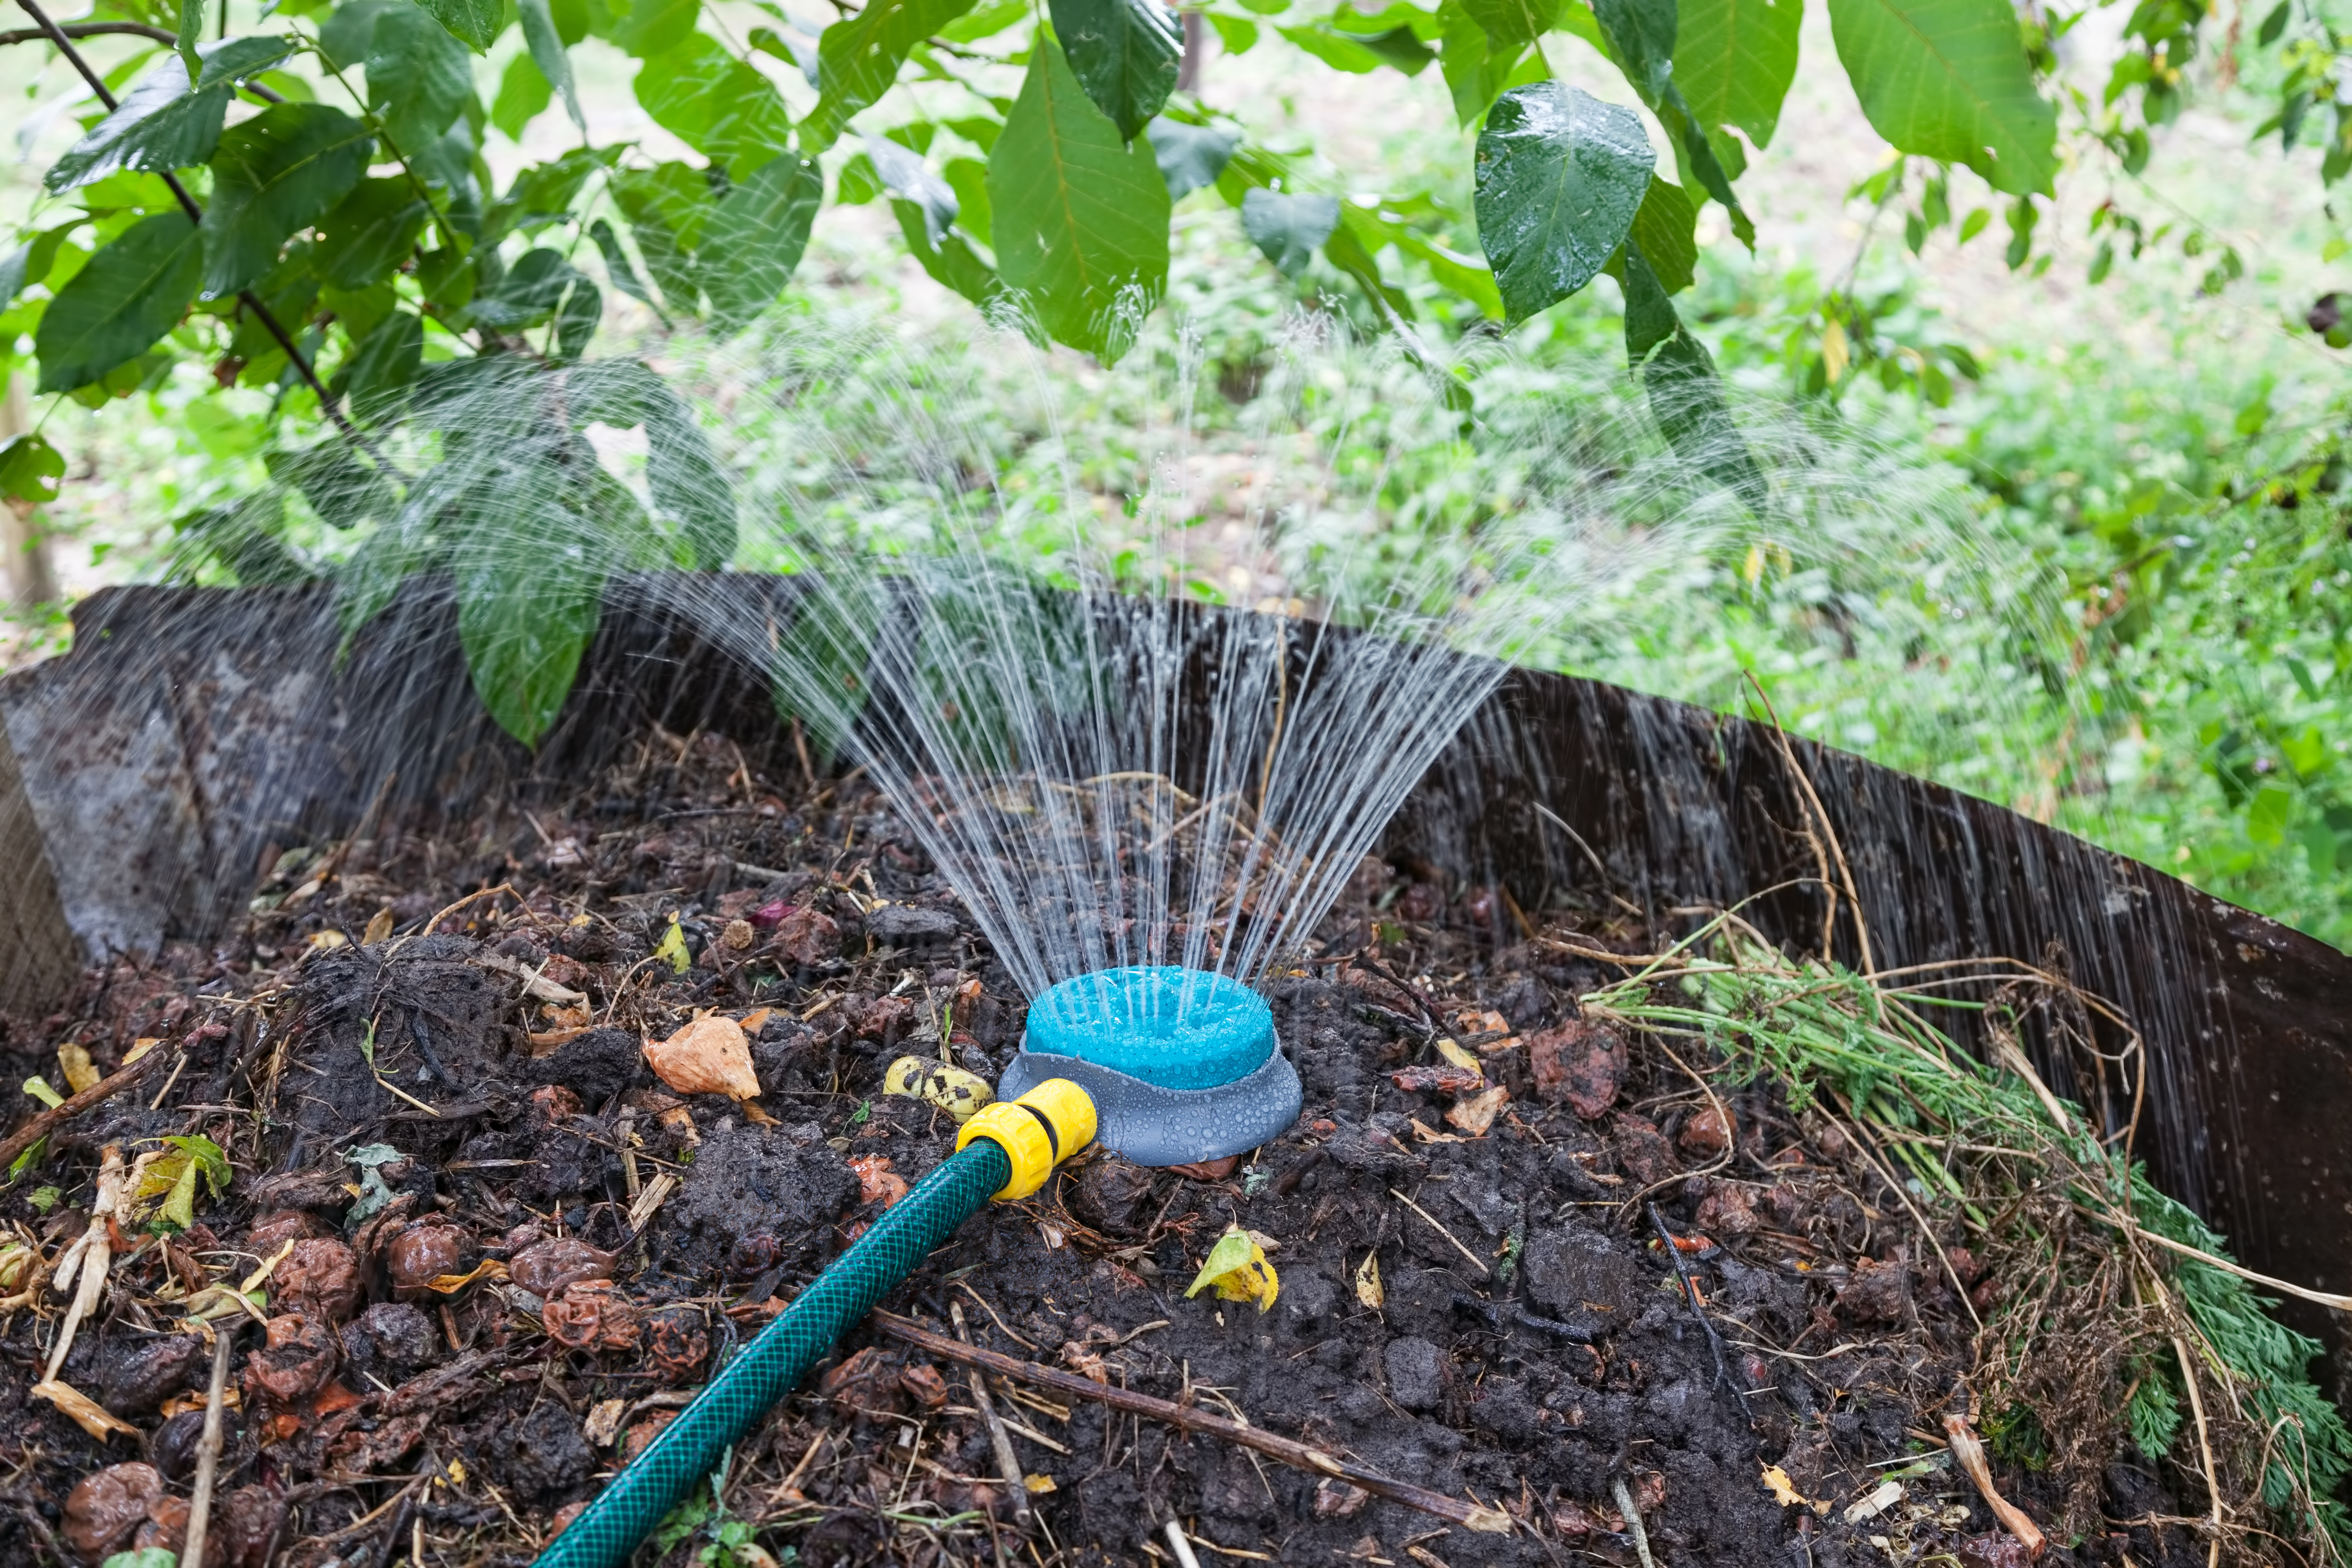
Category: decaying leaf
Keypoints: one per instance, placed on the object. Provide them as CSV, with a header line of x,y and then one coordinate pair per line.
x,y
952,1089
1369,1291
1474,1113
73,1060
1039,1485
877,1181
1237,1268
604,1423
379,927
709,1056
1428,1078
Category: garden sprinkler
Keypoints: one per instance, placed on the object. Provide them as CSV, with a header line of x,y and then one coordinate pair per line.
x,y
1164,1066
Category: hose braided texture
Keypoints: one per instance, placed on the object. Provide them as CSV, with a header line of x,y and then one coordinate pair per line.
x,y
689,1448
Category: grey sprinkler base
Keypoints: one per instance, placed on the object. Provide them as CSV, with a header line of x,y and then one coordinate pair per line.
x,y
1155,1126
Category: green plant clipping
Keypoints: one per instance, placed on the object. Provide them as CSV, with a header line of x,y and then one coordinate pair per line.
x,y
1948,79
1124,53
1561,175
1080,212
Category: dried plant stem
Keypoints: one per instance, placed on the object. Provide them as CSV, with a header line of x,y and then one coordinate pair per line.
x,y
2204,1446
1289,1450
1008,1463
208,1448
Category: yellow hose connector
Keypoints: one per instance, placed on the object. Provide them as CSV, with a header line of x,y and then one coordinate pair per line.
x,y
1036,1132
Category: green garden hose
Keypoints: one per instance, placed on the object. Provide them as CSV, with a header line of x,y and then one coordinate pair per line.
x,y
689,1448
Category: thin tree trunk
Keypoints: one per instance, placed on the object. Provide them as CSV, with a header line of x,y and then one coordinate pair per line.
x,y
1196,49
31,579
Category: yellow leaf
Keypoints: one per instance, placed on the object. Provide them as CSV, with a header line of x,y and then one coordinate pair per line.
x,y
952,1089
1834,353
1368,1292
1451,1050
673,947
379,927
1237,1268
1776,1479
74,1061
326,941
139,1047
1037,1484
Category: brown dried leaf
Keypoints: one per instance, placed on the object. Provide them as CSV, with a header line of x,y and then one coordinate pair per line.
x,y
877,1181
709,1056
1476,1112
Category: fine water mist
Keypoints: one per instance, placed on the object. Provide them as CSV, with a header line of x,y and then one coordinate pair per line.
x,y
1145,659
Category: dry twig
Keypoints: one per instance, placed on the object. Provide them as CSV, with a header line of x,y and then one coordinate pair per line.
x,y
1289,1450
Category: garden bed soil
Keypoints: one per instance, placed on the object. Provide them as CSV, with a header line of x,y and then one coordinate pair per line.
x,y
1474,1293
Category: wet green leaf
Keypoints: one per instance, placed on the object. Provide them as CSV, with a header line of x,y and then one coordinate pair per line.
x,y
1734,61
229,60
617,266
1686,394
159,126
1560,176
523,625
1476,72
1286,229
1124,53
418,77
522,93
279,171
1512,25
1665,229
545,50
858,59
345,36
386,361
947,258
1189,156
652,27
760,226
370,232
474,23
1080,212
30,469
716,104
1948,79
903,174
128,295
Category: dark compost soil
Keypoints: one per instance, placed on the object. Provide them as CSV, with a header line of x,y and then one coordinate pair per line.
x,y
1530,1348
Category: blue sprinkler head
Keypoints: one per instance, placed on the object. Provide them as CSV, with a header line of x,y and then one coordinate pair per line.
x,y
1182,1065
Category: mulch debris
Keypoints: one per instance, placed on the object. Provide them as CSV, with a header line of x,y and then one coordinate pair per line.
x,y
492,1253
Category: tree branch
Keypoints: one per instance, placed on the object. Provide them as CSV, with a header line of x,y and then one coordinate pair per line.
x,y
88,30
